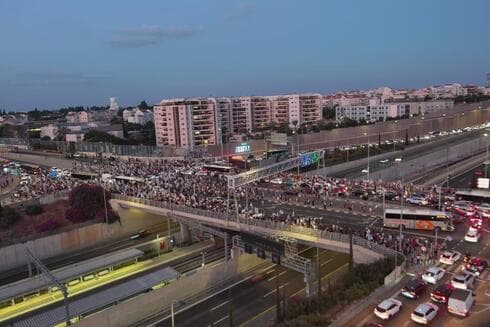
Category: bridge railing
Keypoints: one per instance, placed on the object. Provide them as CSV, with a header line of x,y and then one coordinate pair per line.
x,y
280,226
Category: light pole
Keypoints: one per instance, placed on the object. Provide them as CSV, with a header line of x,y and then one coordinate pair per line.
x,y
397,162
172,310
486,155
203,259
366,134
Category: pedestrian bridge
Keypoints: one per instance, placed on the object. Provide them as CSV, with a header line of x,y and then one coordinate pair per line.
x,y
364,250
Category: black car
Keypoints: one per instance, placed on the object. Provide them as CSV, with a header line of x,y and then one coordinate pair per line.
x,y
414,288
441,293
390,196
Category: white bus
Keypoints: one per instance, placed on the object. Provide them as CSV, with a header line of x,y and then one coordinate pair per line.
x,y
421,219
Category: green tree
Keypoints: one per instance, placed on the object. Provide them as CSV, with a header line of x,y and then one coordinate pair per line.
x,y
328,112
143,105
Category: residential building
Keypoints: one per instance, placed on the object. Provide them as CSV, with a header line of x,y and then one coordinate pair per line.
x,y
85,116
137,116
187,122
380,111
241,115
72,117
261,112
50,130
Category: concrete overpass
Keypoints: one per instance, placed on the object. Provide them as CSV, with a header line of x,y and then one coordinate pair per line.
x,y
364,251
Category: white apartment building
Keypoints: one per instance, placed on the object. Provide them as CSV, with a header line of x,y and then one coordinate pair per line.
x,y
49,130
378,111
137,116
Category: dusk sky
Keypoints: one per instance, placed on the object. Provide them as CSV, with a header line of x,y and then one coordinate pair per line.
x,y
67,53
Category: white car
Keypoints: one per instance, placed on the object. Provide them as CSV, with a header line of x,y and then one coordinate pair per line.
x,y
464,281
277,181
449,257
388,308
433,275
472,235
417,200
425,313
465,205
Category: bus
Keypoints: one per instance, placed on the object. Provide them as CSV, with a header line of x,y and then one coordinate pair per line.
x,y
217,168
278,154
421,219
477,196
31,169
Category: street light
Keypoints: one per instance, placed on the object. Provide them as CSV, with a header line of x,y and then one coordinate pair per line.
x,y
366,134
486,155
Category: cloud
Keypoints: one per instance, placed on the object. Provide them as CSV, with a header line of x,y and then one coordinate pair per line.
x,y
147,35
243,9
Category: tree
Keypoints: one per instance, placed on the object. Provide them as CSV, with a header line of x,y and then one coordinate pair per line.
x,y
8,217
87,203
143,105
406,137
328,112
379,140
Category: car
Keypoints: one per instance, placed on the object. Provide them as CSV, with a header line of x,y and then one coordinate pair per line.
x,y
460,302
416,200
433,274
277,181
140,233
475,266
390,196
472,235
388,308
449,257
464,205
463,281
425,313
414,288
441,293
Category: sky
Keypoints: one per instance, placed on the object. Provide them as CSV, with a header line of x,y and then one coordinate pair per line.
x,y
58,53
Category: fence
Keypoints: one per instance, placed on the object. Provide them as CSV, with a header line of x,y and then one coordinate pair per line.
x,y
344,238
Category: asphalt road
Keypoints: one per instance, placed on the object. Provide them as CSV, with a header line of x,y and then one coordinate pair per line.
x,y
412,152
479,313
253,297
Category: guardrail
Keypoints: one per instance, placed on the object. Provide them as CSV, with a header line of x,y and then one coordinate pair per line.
x,y
344,238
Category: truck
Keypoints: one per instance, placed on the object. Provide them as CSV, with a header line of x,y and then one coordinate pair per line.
x,y
460,302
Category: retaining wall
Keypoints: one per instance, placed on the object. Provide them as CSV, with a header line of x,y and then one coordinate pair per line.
x,y
140,307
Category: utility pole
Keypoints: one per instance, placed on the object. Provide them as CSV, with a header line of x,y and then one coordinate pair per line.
x,y
319,277
278,296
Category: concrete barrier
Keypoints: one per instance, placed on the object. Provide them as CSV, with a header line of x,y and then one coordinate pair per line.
x,y
140,307
13,256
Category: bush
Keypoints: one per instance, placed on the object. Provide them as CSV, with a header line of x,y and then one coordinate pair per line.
x,y
34,210
8,217
47,225
87,203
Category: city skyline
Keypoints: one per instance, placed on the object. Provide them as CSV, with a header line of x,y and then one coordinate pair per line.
x,y
83,54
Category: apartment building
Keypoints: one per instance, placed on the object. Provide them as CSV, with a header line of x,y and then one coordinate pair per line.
x,y
261,112
187,122
241,115
200,121
381,110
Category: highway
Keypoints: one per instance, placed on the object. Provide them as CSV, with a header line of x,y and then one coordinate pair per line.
x,y
251,298
479,313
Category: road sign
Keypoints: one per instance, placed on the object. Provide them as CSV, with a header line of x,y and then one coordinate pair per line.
x,y
262,242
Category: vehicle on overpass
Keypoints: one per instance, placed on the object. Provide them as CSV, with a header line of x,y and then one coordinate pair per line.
x,y
421,219
476,196
217,168
278,154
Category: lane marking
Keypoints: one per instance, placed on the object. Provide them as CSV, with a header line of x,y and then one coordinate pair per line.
x,y
274,290
272,278
326,262
220,320
219,305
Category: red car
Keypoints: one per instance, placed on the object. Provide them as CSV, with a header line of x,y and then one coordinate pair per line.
x,y
441,293
475,266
